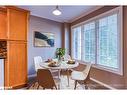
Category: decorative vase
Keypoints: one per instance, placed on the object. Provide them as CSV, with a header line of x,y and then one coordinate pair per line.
x,y
60,60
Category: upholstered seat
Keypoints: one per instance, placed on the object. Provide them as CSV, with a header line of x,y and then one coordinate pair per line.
x,y
79,76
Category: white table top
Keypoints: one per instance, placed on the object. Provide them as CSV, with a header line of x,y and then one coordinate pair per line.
x,y
63,65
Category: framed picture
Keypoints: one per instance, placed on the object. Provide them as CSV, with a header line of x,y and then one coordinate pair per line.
x,y
43,39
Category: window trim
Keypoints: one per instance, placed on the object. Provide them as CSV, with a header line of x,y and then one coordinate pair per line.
x,y
118,10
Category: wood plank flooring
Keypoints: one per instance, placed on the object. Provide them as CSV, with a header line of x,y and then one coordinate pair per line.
x,y
64,84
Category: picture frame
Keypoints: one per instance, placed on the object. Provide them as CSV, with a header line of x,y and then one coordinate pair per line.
x,y
44,39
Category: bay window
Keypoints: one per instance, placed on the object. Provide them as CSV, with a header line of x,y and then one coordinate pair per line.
x,y
99,41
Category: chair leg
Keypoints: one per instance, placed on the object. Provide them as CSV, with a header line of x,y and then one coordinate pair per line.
x,y
30,85
68,76
75,84
86,86
33,84
58,86
55,87
43,88
52,88
38,86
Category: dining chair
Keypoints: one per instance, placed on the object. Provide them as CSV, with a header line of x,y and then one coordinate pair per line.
x,y
45,79
82,77
67,57
37,61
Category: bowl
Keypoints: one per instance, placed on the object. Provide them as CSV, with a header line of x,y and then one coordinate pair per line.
x,y
71,62
53,64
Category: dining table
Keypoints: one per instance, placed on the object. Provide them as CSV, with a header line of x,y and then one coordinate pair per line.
x,y
62,65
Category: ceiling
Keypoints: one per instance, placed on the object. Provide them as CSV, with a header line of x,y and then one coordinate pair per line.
x,y
69,13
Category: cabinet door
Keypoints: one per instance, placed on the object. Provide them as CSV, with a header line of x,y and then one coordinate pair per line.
x,y
3,26
17,24
17,64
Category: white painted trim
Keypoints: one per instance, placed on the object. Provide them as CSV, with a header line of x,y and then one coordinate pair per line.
x,y
101,83
104,68
30,76
86,13
108,69
120,43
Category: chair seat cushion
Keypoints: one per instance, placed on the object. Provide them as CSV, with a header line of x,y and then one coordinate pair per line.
x,y
77,75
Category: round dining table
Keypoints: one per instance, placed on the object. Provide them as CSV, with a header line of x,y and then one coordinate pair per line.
x,y
63,65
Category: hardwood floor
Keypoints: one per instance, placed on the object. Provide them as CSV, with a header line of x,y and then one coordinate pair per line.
x,y
64,84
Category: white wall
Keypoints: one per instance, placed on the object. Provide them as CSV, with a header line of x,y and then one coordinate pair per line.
x,y
44,25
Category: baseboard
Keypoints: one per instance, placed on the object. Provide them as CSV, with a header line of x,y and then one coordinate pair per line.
x,y
101,83
33,75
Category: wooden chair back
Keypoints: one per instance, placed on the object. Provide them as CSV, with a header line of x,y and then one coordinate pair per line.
x,y
45,79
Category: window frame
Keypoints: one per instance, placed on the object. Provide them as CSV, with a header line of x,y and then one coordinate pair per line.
x,y
119,11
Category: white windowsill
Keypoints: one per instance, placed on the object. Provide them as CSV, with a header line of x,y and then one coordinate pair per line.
x,y
108,69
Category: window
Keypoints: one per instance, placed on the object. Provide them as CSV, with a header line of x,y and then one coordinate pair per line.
x,y
108,46
89,42
77,43
99,41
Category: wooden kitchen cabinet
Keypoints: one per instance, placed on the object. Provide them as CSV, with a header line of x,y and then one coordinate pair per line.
x,y
16,66
13,30
17,24
13,23
3,24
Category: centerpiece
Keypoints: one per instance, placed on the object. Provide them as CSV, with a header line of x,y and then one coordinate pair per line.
x,y
60,52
